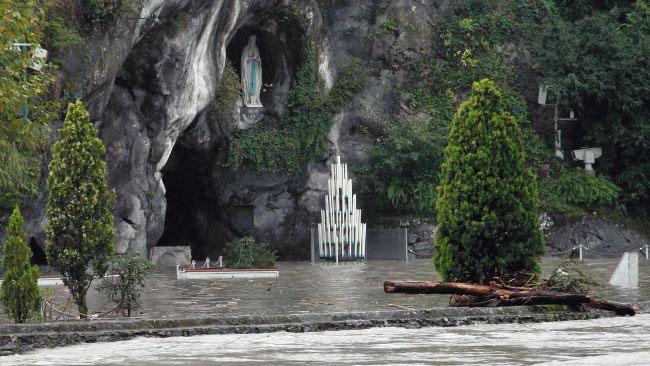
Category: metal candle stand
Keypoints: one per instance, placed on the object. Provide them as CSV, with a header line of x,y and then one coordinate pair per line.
x,y
341,234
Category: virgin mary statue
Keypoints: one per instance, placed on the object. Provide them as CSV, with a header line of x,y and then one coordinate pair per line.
x,y
251,74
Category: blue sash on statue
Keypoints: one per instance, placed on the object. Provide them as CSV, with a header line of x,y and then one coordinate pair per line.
x,y
253,78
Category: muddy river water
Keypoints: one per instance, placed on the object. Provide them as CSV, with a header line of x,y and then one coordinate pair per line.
x,y
303,288
615,341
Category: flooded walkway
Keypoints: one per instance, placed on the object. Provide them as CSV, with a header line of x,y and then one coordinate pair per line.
x,y
303,287
306,288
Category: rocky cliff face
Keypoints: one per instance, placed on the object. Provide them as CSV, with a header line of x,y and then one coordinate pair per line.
x,y
149,84
150,96
148,87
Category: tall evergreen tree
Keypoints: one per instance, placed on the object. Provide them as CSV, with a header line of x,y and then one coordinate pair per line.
x,y
487,199
19,293
80,224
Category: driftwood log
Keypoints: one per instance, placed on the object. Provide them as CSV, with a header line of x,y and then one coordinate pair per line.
x,y
500,295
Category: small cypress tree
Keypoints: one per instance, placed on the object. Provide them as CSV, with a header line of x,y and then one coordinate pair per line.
x,y
487,198
20,295
125,289
80,224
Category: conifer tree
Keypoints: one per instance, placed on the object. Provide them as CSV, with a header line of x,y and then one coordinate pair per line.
x,y
80,224
487,198
19,293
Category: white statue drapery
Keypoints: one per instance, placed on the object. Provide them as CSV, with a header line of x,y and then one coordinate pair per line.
x,y
251,73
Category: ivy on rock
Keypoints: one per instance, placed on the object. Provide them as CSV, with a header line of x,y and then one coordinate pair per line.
x,y
301,135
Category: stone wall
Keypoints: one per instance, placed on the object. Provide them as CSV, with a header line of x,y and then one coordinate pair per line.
x,y
25,337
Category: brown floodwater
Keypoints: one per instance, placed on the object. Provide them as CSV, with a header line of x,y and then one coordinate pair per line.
x,y
304,288
607,341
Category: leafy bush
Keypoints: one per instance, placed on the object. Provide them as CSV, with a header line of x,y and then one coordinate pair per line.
x,y
247,253
225,101
388,27
179,23
60,37
125,289
402,175
487,198
264,150
581,189
100,12
19,292
79,225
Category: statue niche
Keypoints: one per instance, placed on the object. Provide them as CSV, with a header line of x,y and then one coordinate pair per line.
x,y
251,73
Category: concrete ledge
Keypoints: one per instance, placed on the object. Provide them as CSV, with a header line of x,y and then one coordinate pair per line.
x,y
17,338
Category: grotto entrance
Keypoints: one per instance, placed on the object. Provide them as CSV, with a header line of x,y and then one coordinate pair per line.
x,y
193,216
196,213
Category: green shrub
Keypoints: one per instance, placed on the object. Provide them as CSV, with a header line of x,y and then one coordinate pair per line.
x,y
581,189
79,225
388,27
574,191
487,198
264,150
60,37
125,290
100,12
19,292
225,101
179,23
247,253
402,174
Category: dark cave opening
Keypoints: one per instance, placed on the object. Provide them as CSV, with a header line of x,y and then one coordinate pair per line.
x,y
38,255
193,217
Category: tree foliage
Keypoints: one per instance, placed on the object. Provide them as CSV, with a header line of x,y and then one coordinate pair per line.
x,y
487,197
402,175
225,102
19,292
572,192
80,224
474,39
600,66
125,288
24,109
247,253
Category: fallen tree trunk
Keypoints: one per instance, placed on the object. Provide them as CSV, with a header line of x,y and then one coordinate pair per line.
x,y
496,295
